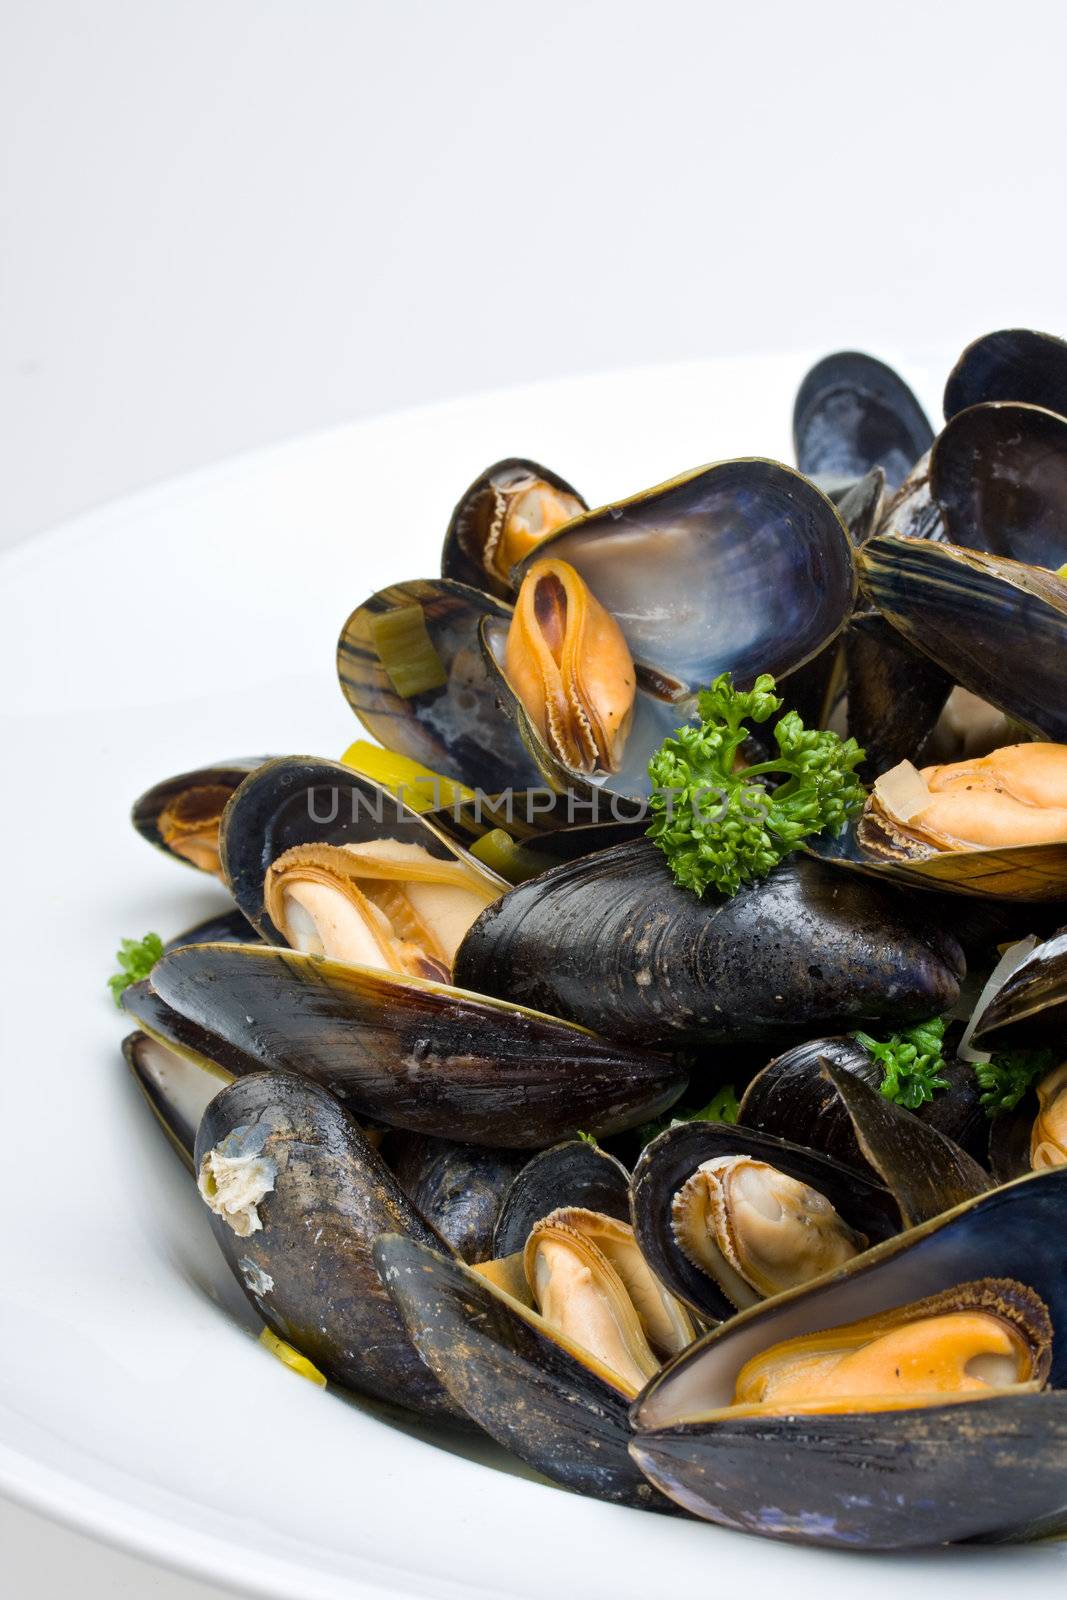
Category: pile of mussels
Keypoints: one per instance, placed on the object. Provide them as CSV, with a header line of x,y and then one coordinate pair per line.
x,y
413,1070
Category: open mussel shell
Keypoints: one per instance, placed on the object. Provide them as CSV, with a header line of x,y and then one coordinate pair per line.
x,y
576,1173
177,1086
989,1469
951,603
999,474
863,1204
297,800
1012,872
531,1391
1011,364
411,667
613,943
180,815
793,1098
314,1196
415,1054
476,544
458,1188
1031,1007
853,413
743,566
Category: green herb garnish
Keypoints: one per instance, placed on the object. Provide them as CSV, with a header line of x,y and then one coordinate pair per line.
x,y
911,1062
723,1106
1006,1077
719,828
588,1138
136,958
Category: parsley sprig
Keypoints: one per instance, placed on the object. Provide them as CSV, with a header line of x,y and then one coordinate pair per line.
x,y
719,828
911,1061
136,958
1005,1078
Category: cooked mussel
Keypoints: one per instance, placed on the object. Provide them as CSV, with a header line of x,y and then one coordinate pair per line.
x,y
501,518
576,1174
891,1404
181,815
853,413
415,1054
613,943
458,1188
726,1216
297,1196
177,1087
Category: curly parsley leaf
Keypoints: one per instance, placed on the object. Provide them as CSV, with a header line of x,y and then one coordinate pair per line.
x,y
136,958
911,1062
720,828
1005,1078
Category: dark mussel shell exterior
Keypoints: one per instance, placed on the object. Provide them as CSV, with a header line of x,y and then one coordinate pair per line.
x,y
468,530
675,1155
222,775
895,693
185,1035
613,943
884,1480
1011,364
1031,1007
576,1173
743,566
792,1098
225,927
913,513
456,729
414,1054
330,1187
979,616
177,1088
527,1391
304,800
1009,1140
853,413
458,1188
999,474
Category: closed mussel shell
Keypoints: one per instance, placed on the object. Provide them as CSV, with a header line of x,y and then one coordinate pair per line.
x,y
576,1173
416,1054
529,1390
313,1197
853,413
884,1479
862,1203
478,545
180,815
613,943
458,1188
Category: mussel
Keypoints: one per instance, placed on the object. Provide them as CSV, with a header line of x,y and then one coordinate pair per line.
x,y
853,413
611,942
415,1054
181,815
1011,364
501,518
458,1188
177,1087
576,1174
891,1404
297,1196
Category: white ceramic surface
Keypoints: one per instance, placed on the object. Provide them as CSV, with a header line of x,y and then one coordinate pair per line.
x,y
197,621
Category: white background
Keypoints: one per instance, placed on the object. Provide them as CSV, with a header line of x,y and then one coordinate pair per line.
x,y
223,222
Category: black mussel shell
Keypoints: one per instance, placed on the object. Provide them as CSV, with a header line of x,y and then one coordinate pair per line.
x,y
304,800
940,1474
502,1368
307,1269
454,726
577,1173
225,927
1031,1007
853,413
613,943
1009,1140
912,512
859,505
185,1035
223,776
1011,364
743,566
675,1155
472,519
458,1188
999,474
895,693
414,1054
979,616
177,1087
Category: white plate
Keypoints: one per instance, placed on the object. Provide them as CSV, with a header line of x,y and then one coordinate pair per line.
x,y
199,621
